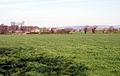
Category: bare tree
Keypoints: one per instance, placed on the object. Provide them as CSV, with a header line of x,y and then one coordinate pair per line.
x,y
94,29
85,29
111,29
21,23
13,23
17,23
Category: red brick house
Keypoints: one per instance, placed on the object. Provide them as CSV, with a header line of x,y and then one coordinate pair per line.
x,y
36,29
80,30
14,28
29,29
54,30
26,29
3,29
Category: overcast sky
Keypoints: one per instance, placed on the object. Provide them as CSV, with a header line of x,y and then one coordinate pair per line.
x,y
60,12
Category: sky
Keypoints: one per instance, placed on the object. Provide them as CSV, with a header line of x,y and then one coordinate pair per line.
x,y
60,12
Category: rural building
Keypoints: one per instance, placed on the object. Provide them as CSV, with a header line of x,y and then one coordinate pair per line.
x,y
13,28
36,29
26,29
80,30
3,29
54,30
44,30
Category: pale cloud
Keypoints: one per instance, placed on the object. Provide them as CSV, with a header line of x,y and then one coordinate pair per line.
x,y
69,0
13,0
44,1
31,2
11,5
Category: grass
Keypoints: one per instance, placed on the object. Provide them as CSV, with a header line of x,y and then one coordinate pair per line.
x,y
98,54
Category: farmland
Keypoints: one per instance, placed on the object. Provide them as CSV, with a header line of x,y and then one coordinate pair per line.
x,y
60,54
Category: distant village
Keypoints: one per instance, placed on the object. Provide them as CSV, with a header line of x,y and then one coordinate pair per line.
x,y
20,28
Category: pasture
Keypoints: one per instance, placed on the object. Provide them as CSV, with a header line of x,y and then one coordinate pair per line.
x,y
73,54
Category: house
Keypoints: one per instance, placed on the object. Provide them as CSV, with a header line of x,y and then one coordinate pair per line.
x,y
74,30
80,30
26,29
43,30
69,29
36,29
14,28
54,30
3,29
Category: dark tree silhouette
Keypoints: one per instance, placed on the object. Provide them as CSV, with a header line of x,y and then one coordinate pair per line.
x,y
85,29
94,29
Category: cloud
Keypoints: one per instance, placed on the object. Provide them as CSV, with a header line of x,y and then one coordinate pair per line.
x,y
31,2
44,1
11,5
13,0
69,0
6,0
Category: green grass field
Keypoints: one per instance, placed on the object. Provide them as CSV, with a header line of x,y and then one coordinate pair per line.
x,y
60,55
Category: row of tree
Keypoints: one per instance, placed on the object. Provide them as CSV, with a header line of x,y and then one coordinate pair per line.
x,y
104,30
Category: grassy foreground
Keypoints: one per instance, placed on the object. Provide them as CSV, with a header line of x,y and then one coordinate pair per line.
x,y
60,54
